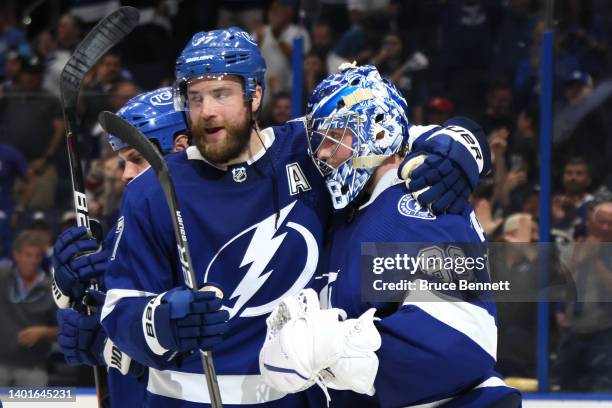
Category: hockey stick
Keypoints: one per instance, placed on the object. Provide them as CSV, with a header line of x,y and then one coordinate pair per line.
x,y
106,34
129,134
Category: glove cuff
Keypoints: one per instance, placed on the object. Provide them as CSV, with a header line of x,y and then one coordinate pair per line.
x,y
61,300
115,358
154,312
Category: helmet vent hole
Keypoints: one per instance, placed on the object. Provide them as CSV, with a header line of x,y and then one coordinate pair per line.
x,y
379,118
355,82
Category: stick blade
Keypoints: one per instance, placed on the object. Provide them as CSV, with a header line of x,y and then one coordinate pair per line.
x,y
106,34
122,129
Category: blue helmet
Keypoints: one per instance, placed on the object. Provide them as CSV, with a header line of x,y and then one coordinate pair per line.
x,y
358,102
153,114
221,52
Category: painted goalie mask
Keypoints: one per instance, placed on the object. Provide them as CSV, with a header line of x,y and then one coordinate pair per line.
x,y
355,121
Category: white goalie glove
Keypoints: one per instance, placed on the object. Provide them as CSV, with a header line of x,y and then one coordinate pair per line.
x,y
306,345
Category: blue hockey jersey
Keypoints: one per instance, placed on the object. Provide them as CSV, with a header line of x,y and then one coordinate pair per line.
x,y
433,351
254,229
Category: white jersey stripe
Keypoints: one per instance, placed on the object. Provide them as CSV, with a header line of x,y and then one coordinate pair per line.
x,y
235,389
473,321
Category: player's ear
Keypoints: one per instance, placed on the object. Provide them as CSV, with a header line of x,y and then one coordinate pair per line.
x,y
256,103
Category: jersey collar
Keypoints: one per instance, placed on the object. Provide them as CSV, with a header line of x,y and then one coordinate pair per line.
x,y
389,179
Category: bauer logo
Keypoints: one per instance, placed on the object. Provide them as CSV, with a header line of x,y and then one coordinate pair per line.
x,y
162,98
80,204
409,207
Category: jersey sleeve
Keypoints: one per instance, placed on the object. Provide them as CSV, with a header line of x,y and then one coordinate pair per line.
x,y
434,348
142,265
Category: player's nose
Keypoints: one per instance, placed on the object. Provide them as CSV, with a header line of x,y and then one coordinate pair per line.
x,y
324,152
129,172
206,110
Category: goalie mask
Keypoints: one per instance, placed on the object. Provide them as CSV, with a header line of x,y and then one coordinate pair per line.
x,y
218,53
355,121
154,115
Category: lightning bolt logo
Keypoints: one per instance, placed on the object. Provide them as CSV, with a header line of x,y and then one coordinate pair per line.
x,y
261,249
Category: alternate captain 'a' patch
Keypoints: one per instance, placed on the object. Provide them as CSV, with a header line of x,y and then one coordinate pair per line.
x,y
410,207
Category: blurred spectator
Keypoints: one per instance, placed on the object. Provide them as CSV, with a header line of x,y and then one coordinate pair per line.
x,y
121,93
583,34
149,52
335,10
510,180
276,44
67,37
322,38
585,351
104,83
498,109
405,69
27,320
12,67
352,44
13,166
584,116
526,86
466,32
246,14
438,110
569,208
514,37
11,38
524,143
32,121
279,112
314,73
484,213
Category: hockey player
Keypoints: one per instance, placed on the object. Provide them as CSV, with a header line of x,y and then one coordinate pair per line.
x,y
254,210
81,337
426,350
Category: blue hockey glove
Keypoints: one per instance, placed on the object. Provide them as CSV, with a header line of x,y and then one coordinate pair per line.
x,y
437,182
445,164
80,337
182,320
75,261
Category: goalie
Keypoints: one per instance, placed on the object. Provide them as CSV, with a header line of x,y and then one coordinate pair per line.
x,y
424,350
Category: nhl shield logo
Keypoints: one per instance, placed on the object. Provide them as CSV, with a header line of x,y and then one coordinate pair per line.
x,y
239,174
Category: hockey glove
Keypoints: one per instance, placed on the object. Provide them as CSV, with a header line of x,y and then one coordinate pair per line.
x,y
182,320
305,345
77,259
80,337
457,153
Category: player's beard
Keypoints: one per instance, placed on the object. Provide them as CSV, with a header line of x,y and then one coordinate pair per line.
x,y
236,140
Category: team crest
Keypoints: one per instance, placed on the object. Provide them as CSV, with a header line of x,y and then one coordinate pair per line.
x,y
410,207
239,174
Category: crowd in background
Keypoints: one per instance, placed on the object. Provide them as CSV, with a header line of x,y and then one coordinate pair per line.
x,y
477,58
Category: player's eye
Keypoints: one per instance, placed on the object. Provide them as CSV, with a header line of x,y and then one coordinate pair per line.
x,y
195,98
